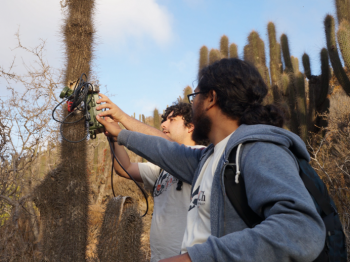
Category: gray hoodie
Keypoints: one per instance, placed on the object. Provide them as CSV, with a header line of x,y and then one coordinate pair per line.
x,y
292,229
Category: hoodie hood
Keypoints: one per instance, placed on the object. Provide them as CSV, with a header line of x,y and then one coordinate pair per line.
x,y
272,134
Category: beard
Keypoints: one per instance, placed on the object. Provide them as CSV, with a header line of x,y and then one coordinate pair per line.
x,y
202,127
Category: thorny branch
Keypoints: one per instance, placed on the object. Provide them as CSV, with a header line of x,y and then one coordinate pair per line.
x,y
25,124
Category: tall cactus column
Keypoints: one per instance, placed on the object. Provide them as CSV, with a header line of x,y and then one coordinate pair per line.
x,y
254,52
291,89
318,91
63,196
339,71
275,53
78,37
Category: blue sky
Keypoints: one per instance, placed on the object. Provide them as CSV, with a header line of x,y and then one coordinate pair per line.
x,y
147,50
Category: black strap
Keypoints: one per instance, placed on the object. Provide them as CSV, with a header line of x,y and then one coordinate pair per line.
x,y
322,199
236,193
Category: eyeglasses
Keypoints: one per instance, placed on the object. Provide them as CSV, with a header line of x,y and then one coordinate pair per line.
x,y
193,95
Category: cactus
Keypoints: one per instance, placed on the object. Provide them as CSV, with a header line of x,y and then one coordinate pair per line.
x,y
274,56
295,64
286,54
343,35
306,65
224,46
233,51
280,58
318,90
339,71
275,64
120,236
254,52
343,10
63,196
156,119
187,91
313,81
203,57
325,77
291,91
214,55
301,106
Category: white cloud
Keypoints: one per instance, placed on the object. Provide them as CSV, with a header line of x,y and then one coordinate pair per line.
x,y
122,19
115,21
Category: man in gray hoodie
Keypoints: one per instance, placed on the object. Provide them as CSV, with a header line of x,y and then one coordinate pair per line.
x,y
227,109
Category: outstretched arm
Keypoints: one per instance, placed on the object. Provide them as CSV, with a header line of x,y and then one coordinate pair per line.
x,y
120,153
129,122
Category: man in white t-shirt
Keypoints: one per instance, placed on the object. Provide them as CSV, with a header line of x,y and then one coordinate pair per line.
x,y
171,195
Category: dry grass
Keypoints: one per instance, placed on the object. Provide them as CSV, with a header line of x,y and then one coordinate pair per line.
x,y
331,156
17,242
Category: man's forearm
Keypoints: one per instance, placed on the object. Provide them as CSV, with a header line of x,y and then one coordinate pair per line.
x,y
132,124
124,159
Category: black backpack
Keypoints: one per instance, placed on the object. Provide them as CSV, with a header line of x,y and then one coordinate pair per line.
x,y
335,245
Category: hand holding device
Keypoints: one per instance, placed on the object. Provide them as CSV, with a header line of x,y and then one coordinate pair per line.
x,y
114,112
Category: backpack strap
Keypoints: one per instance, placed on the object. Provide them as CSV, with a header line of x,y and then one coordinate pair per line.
x,y
322,200
236,192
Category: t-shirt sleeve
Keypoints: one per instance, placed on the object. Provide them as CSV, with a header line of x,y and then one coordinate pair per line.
x,y
149,174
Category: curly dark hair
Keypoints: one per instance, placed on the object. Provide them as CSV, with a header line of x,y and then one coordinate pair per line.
x,y
184,110
240,92
179,109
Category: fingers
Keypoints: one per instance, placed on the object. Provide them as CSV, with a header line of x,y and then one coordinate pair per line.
x,y
110,129
108,119
102,99
106,113
106,105
100,119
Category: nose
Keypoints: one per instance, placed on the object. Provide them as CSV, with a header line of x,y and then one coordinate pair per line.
x,y
164,124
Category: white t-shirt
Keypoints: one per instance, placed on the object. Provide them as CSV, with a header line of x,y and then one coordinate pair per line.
x,y
198,216
170,210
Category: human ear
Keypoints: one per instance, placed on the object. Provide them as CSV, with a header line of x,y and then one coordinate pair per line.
x,y
212,99
190,128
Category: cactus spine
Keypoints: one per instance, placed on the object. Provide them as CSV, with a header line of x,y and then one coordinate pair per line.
x,y
224,46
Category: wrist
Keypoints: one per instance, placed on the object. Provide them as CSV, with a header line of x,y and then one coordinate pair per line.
x,y
123,118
